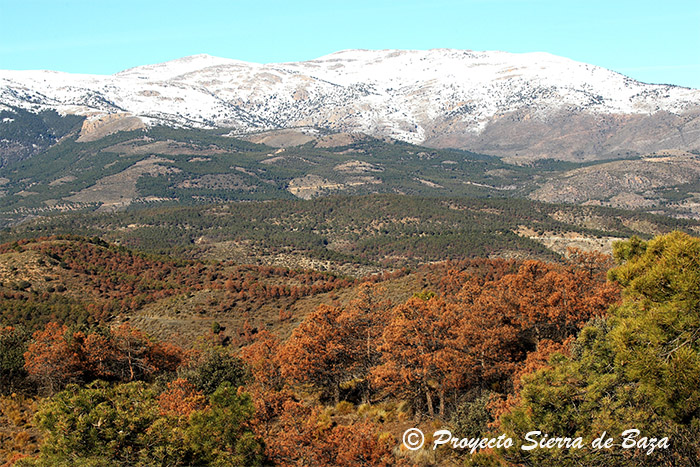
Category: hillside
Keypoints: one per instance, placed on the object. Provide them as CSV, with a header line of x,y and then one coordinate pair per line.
x,y
664,183
162,165
24,133
82,281
304,358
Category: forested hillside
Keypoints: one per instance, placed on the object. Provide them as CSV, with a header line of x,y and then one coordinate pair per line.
x,y
376,231
24,134
478,346
160,166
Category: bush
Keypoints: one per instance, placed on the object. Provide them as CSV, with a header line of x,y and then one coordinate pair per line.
x,y
123,425
214,368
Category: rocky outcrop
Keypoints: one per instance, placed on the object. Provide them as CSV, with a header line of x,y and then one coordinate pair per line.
x,y
98,127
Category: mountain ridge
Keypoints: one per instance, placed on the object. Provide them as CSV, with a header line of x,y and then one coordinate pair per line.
x,y
521,106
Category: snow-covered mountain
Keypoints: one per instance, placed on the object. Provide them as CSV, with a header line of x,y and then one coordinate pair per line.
x,y
515,105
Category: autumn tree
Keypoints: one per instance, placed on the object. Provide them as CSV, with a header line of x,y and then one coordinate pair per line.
x,y
503,320
263,360
338,345
305,437
363,321
267,385
51,360
58,356
181,398
316,353
488,329
422,352
548,301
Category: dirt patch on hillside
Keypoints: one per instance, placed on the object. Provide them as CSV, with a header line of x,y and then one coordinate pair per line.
x,y
308,186
339,139
119,190
356,166
217,182
560,243
167,147
281,138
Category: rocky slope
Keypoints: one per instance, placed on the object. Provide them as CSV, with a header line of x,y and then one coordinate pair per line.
x,y
665,183
520,106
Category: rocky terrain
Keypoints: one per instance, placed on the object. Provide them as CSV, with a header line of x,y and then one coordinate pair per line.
x,y
664,182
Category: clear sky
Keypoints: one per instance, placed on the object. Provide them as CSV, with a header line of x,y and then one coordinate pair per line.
x,y
652,41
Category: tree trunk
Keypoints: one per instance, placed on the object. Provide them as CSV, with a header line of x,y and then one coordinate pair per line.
x,y
429,400
442,402
131,367
365,396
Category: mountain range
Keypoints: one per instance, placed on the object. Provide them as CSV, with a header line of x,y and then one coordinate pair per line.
x,y
519,107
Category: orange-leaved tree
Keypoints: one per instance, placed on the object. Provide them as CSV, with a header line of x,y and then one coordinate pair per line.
x,y
363,321
58,356
316,353
423,352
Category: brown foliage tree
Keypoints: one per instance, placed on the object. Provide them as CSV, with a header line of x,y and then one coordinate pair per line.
x,y
423,352
51,360
335,345
304,437
58,356
315,352
363,322
181,398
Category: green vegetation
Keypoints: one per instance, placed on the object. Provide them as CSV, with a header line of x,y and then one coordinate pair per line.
x,y
638,369
13,344
214,368
392,230
125,425
24,133
203,166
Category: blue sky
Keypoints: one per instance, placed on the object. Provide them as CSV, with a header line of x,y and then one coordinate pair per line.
x,y
652,41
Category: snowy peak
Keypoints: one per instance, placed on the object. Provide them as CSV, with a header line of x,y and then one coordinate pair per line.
x,y
496,102
174,68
